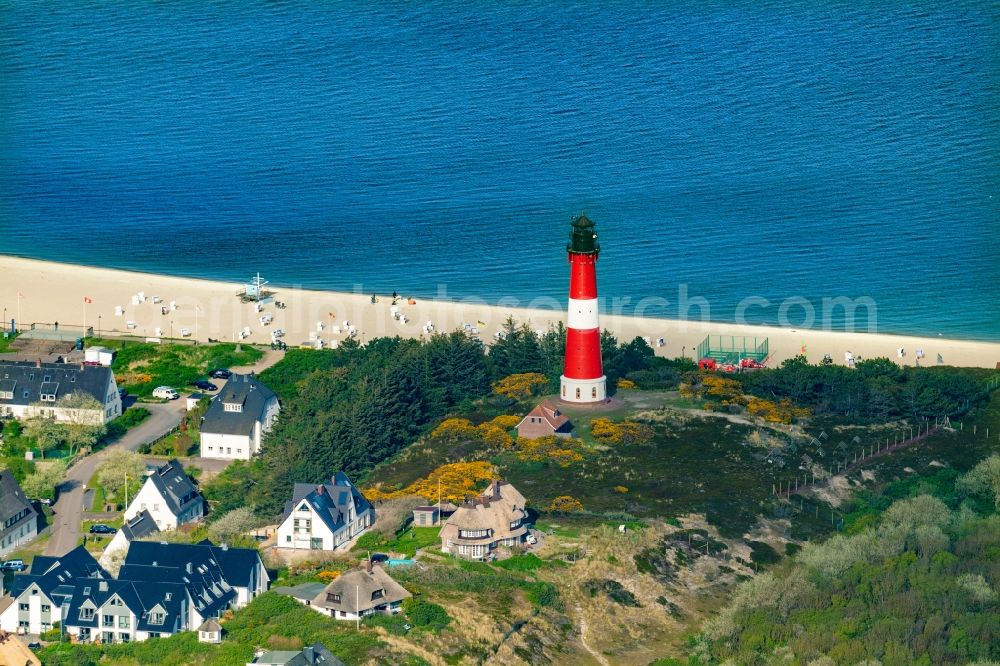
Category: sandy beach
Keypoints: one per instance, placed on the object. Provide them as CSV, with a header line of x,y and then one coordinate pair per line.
x,y
43,292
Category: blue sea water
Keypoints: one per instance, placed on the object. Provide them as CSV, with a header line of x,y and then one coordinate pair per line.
x,y
778,149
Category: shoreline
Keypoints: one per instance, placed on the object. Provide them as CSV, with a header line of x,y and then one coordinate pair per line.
x,y
55,291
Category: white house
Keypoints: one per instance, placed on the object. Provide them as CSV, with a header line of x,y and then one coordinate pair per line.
x,y
143,525
217,577
360,592
237,419
494,520
324,516
170,496
123,611
18,518
57,390
34,602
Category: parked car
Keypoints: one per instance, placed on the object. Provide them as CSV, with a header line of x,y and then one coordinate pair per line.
x,y
220,373
166,392
205,385
379,557
44,500
102,529
13,565
532,539
34,645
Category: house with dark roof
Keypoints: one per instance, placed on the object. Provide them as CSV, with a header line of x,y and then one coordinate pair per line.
x,y
59,391
217,577
18,517
122,611
141,526
34,602
324,516
360,592
311,655
237,419
170,497
544,420
480,528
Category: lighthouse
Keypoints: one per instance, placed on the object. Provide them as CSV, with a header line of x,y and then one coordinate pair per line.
x,y
583,379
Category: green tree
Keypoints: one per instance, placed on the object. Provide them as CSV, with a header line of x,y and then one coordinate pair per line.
x,y
42,483
46,433
119,466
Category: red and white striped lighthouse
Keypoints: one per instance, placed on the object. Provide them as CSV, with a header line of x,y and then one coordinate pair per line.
x,y
583,379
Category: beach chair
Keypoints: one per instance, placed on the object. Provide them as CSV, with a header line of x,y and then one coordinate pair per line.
x,y
135,299
142,296
185,332
173,305
156,299
119,311
130,324
158,332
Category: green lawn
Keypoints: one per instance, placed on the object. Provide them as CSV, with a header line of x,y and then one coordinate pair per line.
x,y
140,366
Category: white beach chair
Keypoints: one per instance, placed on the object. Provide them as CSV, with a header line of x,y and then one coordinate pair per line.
x,y
185,332
130,324
142,296
135,299
119,311
156,299
660,342
173,305
158,332
474,330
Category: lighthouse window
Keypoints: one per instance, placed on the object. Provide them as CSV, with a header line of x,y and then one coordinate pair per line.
x,y
564,391
578,394
593,392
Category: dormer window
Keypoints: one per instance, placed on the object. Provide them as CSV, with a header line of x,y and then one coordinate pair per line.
x,y
87,614
232,406
156,618
333,597
378,594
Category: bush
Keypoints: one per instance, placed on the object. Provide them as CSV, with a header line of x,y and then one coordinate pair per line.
x,y
426,614
369,541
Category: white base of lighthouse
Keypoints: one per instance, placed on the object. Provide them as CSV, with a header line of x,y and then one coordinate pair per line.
x,y
583,391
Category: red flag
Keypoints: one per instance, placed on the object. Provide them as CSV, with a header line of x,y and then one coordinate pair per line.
x,y
87,299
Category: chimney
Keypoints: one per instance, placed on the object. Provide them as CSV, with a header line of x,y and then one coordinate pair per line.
x,y
496,489
320,489
368,565
82,365
38,363
102,586
188,567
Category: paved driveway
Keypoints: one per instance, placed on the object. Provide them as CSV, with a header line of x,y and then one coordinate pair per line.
x,y
68,510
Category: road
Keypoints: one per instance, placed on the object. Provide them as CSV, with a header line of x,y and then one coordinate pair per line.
x,y
68,510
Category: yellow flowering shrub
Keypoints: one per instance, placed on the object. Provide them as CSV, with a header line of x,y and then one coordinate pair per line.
x,y
459,482
626,384
565,504
564,451
626,432
621,490
455,430
520,386
327,576
506,421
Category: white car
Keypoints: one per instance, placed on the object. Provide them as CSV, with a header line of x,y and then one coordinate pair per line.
x,y
166,392
532,539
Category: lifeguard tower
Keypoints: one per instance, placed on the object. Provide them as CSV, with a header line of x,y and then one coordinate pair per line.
x,y
254,289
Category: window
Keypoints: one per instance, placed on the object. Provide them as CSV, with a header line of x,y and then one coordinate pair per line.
x,y
124,637
87,614
378,594
288,539
22,607
168,596
108,621
593,392
333,597
156,618
123,622
46,608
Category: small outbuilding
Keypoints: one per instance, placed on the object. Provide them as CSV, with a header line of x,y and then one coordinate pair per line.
x,y
210,631
99,355
543,421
